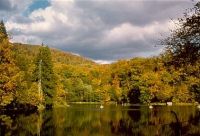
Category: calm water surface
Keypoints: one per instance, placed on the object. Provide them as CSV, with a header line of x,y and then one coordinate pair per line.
x,y
90,120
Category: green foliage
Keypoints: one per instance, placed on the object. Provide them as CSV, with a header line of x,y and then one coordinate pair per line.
x,y
29,96
183,44
44,72
3,32
78,91
60,93
145,96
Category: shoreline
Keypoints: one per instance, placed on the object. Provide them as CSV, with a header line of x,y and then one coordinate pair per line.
x,y
129,104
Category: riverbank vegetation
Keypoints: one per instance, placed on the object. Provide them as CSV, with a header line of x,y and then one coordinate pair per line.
x,y
31,76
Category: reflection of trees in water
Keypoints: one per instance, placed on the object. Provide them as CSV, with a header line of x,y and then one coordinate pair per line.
x,y
189,127
176,126
19,124
129,124
193,126
5,125
48,126
136,115
122,127
155,125
137,121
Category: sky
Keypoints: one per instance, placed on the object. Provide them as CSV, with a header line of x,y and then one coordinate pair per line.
x,y
102,30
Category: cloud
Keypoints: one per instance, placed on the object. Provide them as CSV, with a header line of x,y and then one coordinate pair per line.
x,y
103,61
133,11
5,5
101,30
14,6
14,9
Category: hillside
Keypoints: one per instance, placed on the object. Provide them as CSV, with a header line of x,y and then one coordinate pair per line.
x,y
58,56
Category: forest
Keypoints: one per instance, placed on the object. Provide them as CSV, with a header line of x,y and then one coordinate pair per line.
x,y
36,75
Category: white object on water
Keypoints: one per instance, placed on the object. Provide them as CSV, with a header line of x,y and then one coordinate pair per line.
x,y
101,107
150,107
169,103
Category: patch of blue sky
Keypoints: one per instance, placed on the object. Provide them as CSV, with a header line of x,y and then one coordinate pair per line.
x,y
37,4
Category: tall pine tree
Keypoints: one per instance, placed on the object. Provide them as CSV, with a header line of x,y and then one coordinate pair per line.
x,y
44,74
3,32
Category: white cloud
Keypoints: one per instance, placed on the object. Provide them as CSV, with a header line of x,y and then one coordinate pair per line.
x,y
127,32
43,21
75,54
27,39
104,61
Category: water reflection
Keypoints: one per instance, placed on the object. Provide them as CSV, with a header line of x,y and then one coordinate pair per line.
x,y
87,120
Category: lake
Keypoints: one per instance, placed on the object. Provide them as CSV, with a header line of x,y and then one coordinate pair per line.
x,y
112,120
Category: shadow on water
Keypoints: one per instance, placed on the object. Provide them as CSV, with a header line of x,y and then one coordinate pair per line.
x,y
87,120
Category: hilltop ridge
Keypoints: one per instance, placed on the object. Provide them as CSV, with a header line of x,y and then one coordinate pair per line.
x,y
58,56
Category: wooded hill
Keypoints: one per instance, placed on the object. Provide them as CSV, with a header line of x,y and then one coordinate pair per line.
x,y
58,56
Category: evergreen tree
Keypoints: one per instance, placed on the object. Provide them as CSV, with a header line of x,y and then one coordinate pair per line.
x,y
3,32
44,73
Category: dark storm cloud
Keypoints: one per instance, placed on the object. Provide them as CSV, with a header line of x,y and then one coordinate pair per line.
x,y
13,6
5,5
133,11
121,50
111,14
